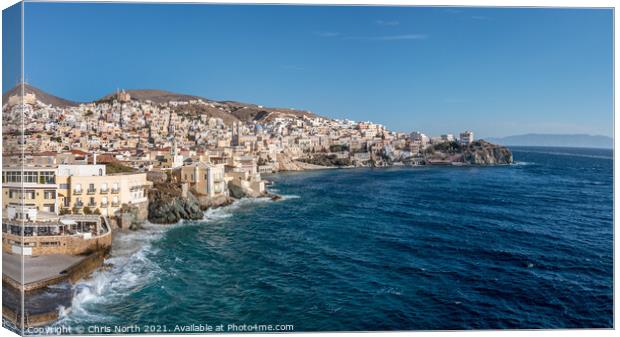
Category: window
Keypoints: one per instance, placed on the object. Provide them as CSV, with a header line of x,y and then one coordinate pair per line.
x,y
47,177
30,177
78,187
49,194
13,177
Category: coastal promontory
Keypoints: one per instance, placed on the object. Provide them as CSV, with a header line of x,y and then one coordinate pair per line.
x,y
479,152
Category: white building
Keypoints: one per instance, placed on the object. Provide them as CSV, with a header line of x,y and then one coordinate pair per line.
x,y
466,138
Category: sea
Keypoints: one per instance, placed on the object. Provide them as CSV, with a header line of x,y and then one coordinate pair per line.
x,y
521,246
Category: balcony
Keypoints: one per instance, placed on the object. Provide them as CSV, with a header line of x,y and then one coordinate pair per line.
x,y
115,204
104,190
104,204
77,192
91,191
115,190
92,204
78,205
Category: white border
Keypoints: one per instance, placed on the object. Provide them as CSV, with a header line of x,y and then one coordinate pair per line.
x,y
477,3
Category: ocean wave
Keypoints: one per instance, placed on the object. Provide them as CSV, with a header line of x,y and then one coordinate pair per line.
x,y
228,210
129,269
216,214
289,197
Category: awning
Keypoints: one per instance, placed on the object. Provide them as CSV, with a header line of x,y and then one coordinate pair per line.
x,y
68,222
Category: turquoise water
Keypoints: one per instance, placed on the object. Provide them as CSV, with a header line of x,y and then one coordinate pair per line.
x,y
521,246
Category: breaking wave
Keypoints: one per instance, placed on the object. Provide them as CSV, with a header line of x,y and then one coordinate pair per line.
x,y
126,271
130,266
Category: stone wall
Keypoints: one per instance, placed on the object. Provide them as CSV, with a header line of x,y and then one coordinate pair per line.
x,y
67,244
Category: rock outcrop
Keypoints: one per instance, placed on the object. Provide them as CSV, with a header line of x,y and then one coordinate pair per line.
x,y
484,153
206,202
477,153
287,163
132,216
168,205
327,160
242,189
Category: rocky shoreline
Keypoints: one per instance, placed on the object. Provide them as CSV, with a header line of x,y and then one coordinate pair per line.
x,y
481,153
169,203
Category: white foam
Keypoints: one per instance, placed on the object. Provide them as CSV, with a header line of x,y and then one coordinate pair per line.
x,y
130,268
289,196
522,163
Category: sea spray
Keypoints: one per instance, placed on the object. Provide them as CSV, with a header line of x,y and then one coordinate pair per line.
x,y
132,266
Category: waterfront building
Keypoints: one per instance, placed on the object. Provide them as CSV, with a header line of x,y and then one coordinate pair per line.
x,y
45,233
206,179
79,189
84,189
466,138
37,192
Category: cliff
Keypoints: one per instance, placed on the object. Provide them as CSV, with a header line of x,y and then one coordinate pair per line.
x,y
485,153
477,153
167,205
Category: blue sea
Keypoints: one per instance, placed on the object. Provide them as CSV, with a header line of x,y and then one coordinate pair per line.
x,y
521,246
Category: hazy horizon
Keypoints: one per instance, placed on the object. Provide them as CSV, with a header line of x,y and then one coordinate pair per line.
x,y
497,71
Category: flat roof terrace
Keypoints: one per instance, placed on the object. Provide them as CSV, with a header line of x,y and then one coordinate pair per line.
x,y
37,268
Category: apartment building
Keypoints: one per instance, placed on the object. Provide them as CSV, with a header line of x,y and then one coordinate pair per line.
x,y
87,188
466,138
36,191
78,189
206,179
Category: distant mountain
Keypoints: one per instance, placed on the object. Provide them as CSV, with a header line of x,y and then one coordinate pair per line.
x,y
40,94
560,140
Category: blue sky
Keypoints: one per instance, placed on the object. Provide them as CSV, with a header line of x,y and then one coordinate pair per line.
x,y
496,71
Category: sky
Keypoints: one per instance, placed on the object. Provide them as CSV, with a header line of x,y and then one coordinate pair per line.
x,y
496,71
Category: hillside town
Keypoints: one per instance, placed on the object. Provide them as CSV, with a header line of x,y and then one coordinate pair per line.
x,y
78,172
